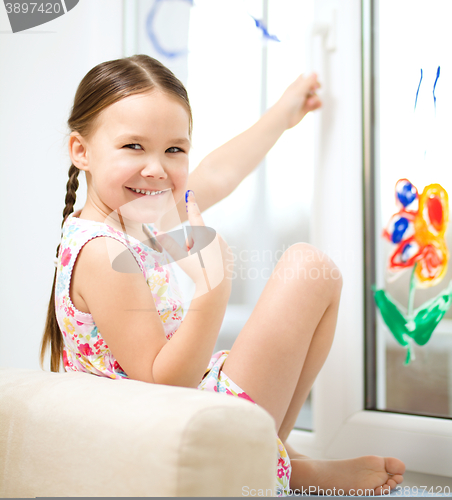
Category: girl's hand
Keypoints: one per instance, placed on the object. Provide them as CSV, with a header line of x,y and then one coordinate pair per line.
x,y
299,98
217,257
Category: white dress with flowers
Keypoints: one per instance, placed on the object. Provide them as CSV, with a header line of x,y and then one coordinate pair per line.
x,y
85,349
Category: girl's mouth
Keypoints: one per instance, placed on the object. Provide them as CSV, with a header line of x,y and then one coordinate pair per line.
x,y
142,192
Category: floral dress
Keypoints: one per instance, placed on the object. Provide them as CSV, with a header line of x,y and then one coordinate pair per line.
x,y
85,349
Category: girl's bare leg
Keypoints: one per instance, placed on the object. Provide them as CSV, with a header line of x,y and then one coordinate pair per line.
x,y
316,357
268,355
279,352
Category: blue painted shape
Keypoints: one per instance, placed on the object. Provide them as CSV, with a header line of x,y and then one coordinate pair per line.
x,y
407,195
263,28
417,91
434,86
404,257
153,37
399,230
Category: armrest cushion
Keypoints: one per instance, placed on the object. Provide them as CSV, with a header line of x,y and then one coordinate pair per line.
x,y
75,434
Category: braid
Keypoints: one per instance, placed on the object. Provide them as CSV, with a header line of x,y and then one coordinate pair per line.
x,y
71,188
52,333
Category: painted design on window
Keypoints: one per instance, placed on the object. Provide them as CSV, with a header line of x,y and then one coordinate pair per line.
x,y
417,231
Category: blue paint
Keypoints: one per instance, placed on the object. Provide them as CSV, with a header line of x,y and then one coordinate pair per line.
x,y
399,230
407,194
153,37
261,26
434,85
405,252
417,92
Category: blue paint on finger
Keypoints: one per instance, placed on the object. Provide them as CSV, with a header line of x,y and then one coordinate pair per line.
x,y
187,193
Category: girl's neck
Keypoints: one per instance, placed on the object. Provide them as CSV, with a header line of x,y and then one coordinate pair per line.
x,y
119,223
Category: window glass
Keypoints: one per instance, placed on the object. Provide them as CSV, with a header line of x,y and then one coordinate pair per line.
x,y
413,104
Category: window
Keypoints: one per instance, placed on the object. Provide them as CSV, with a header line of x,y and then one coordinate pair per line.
x,y
345,425
411,105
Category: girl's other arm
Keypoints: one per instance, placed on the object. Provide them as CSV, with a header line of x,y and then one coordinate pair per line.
x,y
124,311
194,341
221,171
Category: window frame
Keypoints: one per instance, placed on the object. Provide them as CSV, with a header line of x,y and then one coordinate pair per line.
x,y
343,427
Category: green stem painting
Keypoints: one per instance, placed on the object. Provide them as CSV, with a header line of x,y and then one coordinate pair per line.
x,y
417,325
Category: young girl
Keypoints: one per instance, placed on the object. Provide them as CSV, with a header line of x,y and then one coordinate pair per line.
x,y
131,129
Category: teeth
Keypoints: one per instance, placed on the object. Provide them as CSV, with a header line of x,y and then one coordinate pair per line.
x,y
147,192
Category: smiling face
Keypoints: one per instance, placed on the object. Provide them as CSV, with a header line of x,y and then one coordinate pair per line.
x,y
139,142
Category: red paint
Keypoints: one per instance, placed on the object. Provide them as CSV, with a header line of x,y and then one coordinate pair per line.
x,y
435,212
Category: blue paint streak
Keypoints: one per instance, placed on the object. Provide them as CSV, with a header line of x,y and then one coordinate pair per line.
x,y
434,85
153,37
261,26
407,194
417,92
405,252
399,230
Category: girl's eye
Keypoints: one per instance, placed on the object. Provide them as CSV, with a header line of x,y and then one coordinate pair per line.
x,y
174,147
127,145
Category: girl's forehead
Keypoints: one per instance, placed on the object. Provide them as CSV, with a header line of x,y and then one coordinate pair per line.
x,y
155,100
143,111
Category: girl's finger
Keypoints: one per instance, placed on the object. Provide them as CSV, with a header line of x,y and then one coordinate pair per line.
x,y
189,243
171,246
194,214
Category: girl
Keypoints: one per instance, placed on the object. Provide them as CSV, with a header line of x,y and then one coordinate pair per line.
x,y
131,129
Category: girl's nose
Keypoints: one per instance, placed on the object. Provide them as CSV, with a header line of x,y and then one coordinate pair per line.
x,y
154,169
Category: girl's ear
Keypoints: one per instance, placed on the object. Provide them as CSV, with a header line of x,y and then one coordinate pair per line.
x,y
77,151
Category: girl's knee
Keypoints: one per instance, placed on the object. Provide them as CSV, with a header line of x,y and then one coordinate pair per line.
x,y
303,261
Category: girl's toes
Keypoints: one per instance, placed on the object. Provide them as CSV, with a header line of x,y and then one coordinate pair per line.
x,y
391,483
398,478
394,466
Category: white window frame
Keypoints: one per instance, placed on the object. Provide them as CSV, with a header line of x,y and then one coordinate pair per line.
x,y
342,426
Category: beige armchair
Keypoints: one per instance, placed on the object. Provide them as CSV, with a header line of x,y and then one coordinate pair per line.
x,y
75,434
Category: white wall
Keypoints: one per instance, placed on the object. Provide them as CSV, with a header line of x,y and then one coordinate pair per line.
x,y
40,70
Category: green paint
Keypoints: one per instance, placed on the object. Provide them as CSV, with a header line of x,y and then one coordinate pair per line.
x,y
392,315
411,325
430,314
417,325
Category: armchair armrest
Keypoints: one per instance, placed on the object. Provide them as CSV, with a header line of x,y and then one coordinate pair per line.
x,y
75,434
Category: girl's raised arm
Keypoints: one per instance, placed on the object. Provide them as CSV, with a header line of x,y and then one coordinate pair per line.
x,y
222,170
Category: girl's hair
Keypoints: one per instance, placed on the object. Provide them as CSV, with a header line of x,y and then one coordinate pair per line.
x,y
102,86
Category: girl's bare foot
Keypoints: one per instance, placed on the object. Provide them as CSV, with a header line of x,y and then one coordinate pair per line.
x,y
377,475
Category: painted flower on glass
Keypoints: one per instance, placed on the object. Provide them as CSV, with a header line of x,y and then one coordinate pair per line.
x,y
418,232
